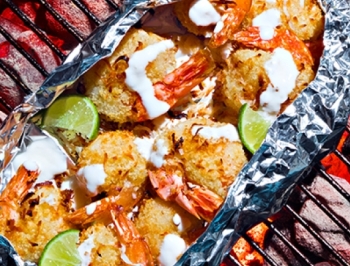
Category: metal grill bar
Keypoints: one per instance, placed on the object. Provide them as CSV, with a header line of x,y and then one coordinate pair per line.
x,y
316,235
334,183
62,21
87,12
113,4
288,243
35,29
13,42
325,210
12,74
5,105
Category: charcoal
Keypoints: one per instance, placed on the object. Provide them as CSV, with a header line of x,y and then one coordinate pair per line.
x,y
318,220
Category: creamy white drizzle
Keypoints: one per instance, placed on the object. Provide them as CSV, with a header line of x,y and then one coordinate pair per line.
x,y
202,13
227,131
302,3
137,80
90,209
144,146
267,22
182,223
94,176
282,72
48,157
84,250
172,247
50,199
181,57
30,165
157,156
219,26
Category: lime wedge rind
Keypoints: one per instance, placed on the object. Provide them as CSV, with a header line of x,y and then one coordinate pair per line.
x,y
62,250
252,128
74,113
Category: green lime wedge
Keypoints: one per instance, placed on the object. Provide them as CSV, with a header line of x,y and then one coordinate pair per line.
x,y
62,250
252,128
75,113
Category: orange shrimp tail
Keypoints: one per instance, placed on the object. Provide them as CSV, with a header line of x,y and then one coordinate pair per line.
x,y
283,38
180,82
231,22
232,15
126,199
137,250
170,187
19,185
204,201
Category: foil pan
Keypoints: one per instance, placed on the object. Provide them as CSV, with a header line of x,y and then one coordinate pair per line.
x,y
308,129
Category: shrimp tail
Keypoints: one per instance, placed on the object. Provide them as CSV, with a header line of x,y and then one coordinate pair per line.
x,y
136,248
179,83
282,38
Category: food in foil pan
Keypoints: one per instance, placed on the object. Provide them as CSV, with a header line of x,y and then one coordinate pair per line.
x,y
154,167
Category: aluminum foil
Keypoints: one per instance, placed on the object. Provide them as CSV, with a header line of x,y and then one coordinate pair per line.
x,y
308,130
304,133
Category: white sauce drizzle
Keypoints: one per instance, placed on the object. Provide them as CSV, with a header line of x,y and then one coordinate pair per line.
x,y
157,156
137,80
282,73
84,250
48,157
202,13
144,146
94,176
267,22
227,131
172,247
182,223
90,209
302,3
50,199
30,165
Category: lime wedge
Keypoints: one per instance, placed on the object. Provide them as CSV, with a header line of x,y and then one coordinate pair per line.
x,y
62,250
252,128
75,113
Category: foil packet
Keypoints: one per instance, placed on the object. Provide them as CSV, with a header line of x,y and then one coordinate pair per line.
x,y
308,130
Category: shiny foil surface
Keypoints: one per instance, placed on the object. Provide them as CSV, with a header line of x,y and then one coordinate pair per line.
x,y
308,130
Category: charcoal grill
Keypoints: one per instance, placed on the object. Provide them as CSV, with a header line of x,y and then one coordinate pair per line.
x,y
300,255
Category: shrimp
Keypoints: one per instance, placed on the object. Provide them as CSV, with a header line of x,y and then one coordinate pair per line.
x,y
15,192
97,210
114,160
200,159
135,249
223,18
282,38
117,101
33,219
199,201
163,223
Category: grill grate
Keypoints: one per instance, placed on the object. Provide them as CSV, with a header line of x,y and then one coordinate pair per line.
x,y
303,258
5,107
9,71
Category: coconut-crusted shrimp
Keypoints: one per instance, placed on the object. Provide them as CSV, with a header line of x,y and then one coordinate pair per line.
x,y
167,228
112,161
245,78
303,18
114,241
215,19
40,219
140,81
15,192
195,161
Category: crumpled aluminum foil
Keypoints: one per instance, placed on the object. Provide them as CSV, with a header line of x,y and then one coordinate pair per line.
x,y
308,130
304,133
